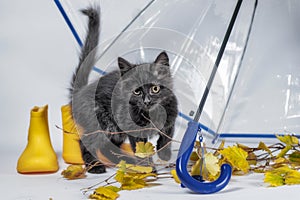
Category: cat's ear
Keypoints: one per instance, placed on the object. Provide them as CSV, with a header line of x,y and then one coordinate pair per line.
x,y
124,65
162,59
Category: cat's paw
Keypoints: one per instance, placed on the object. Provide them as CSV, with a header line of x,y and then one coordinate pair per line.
x,y
165,154
97,169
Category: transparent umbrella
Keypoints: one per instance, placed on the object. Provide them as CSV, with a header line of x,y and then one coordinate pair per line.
x,y
253,93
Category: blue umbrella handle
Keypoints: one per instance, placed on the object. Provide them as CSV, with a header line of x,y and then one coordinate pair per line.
x,y
186,179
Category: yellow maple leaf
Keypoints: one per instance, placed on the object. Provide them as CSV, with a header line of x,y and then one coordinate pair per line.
x,y
196,168
210,167
221,146
74,172
108,192
292,178
133,177
113,188
133,184
237,157
284,151
132,181
194,156
288,139
282,176
283,170
252,158
119,176
142,175
264,147
139,169
144,150
280,160
273,179
259,170
123,166
295,157
174,175
244,147
211,164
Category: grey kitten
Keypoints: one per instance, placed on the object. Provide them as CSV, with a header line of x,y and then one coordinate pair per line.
x,y
135,97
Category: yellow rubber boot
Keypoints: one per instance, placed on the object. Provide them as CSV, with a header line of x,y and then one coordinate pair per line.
x,y
71,147
38,156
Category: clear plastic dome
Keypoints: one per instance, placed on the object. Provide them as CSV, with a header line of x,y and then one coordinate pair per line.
x,y
266,99
253,96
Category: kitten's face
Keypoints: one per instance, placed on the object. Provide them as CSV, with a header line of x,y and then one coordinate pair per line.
x,y
142,89
147,84
146,96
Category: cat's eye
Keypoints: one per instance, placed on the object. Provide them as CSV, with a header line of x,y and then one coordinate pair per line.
x,y
155,89
137,92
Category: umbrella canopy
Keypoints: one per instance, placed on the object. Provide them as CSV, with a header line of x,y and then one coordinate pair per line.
x,y
255,92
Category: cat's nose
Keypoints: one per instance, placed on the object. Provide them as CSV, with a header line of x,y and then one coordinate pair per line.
x,y
147,100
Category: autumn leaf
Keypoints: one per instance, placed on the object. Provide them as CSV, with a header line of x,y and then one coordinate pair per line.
x,y
113,188
194,156
273,179
276,177
133,184
200,148
284,151
133,177
119,176
108,192
288,139
196,168
174,175
292,178
132,181
211,164
252,158
74,172
244,147
280,160
142,175
210,168
128,182
221,146
144,150
259,170
295,157
282,176
263,146
139,169
237,157
123,166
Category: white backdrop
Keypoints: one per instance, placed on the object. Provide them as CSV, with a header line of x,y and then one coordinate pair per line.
x,y
37,57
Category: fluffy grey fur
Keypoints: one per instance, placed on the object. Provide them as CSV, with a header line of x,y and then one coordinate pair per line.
x,y
135,97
